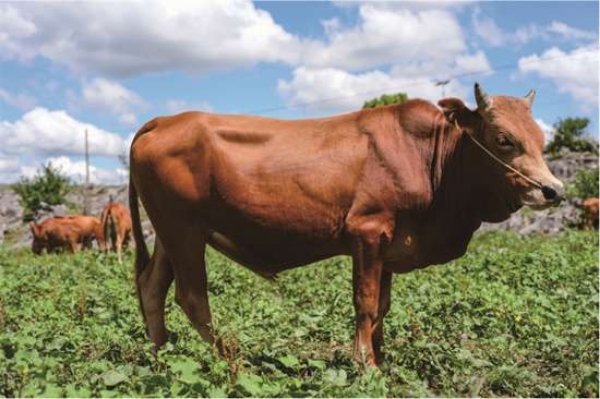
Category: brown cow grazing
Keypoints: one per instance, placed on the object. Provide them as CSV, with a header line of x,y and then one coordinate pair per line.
x,y
71,233
90,227
396,188
116,225
590,213
56,235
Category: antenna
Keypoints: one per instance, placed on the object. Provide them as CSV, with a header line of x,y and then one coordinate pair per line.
x,y
86,202
442,83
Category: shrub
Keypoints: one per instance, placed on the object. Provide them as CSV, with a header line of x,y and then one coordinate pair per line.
x,y
569,135
585,184
386,99
47,188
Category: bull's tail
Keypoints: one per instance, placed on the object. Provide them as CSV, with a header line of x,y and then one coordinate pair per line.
x,y
104,220
142,257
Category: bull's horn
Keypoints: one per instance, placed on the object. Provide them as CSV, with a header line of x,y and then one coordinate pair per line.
x,y
484,101
530,97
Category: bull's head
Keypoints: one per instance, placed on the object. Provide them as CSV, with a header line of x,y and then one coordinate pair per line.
x,y
39,240
512,168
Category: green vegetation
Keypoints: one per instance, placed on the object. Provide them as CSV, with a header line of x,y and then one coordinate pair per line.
x,y
514,317
48,187
585,184
386,99
569,135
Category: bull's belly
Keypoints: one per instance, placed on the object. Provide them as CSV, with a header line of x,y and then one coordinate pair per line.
x,y
269,233
270,257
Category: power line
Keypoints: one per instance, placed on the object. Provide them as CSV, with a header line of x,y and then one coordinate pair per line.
x,y
422,82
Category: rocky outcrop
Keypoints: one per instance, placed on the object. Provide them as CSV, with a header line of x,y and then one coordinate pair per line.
x,y
16,234
565,167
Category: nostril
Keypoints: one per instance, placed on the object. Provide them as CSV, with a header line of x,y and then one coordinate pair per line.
x,y
549,193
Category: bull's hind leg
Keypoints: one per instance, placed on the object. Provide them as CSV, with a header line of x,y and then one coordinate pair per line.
x,y
186,251
119,246
154,283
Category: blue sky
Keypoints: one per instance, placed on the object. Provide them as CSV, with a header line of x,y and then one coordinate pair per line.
x,y
109,67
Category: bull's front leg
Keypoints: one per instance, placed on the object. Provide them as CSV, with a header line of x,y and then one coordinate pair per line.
x,y
385,291
366,275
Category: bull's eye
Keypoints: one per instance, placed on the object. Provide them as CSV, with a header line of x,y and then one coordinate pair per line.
x,y
504,142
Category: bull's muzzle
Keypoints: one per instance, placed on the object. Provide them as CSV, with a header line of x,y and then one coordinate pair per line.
x,y
553,193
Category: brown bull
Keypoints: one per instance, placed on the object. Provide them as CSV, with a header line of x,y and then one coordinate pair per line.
x,y
396,188
116,226
69,233
590,213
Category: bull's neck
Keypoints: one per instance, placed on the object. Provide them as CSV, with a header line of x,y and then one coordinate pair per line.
x,y
456,187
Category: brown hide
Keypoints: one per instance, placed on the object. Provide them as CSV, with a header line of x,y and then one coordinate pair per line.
x,y
116,226
90,228
56,234
590,213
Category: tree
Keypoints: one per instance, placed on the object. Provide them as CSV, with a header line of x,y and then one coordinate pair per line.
x,y
570,134
585,184
47,188
386,99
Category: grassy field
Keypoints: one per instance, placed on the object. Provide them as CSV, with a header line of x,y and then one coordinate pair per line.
x,y
514,317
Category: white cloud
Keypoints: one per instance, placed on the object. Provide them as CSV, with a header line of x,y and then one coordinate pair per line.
x,y
487,29
13,29
547,129
22,101
76,171
134,37
9,169
575,72
174,106
385,35
335,90
569,32
105,95
420,44
131,38
44,132
432,70
413,5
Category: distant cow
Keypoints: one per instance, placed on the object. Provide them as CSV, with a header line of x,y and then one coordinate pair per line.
x,y
590,213
68,233
397,188
116,225
90,227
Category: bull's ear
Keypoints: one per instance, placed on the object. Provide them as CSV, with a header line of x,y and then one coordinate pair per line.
x,y
451,106
484,101
529,97
34,228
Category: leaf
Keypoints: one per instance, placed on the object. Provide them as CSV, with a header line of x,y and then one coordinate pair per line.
x,y
217,392
187,370
250,384
289,361
113,378
317,364
72,392
336,378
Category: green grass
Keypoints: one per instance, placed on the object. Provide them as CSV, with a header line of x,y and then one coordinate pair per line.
x,y
514,317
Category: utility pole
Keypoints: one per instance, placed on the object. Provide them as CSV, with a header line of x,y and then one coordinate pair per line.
x,y
86,202
442,83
